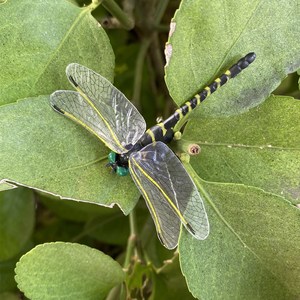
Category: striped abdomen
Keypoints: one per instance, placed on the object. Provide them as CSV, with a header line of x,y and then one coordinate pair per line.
x,y
164,131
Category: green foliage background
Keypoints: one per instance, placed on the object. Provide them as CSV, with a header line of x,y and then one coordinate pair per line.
x,y
247,171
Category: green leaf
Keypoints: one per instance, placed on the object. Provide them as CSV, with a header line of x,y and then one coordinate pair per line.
x,y
51,164
67,271
252,251
36,47
17,215
58,156
7,282
6,186
7,267
114,229
76,211
259,148
208,37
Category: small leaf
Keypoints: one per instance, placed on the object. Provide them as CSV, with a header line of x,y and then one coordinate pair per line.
x,y
252,251
17,215
219,34
67,271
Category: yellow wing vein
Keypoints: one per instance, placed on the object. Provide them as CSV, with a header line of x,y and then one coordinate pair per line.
x,y
86,98
145,195
163,193
72,117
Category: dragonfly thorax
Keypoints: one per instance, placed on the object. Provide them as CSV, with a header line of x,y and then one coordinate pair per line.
x,y
118,163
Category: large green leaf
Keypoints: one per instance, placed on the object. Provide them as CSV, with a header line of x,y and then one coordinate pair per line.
x,y
17,215
259,148
252,251
67,271
42,150
40,38
209,36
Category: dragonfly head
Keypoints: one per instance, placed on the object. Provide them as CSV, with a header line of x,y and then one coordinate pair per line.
x,y
118,163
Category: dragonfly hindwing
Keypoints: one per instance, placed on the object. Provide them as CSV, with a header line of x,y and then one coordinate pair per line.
x,y
170,193
101,108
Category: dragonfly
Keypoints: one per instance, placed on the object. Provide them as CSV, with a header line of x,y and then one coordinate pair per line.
x,y
169,191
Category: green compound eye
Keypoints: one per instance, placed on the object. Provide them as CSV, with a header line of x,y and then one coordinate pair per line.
x,y
122,171
112,157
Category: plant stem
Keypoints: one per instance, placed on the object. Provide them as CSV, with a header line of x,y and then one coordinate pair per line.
x,y
139,71
114,9
131,240
160,11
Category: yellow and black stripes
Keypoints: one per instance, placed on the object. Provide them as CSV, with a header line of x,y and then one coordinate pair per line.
x,y
164,131
158,132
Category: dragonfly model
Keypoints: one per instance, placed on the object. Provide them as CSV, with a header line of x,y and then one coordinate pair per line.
x,y
169,191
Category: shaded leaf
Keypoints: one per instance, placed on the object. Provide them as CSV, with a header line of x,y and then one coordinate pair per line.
x,y
17,215
9,296
113,229
7,274
7,282
76,211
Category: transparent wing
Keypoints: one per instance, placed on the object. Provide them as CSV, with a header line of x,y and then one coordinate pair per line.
x,y
101,108
170,193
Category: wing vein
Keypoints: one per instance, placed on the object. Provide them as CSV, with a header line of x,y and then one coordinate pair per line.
x,y
145,195
87,99
162,192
